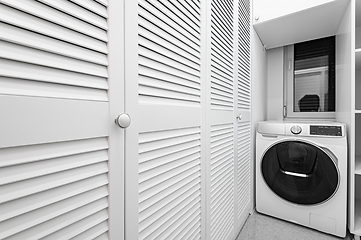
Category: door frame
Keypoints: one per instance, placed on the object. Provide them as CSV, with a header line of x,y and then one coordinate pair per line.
x,y
116,138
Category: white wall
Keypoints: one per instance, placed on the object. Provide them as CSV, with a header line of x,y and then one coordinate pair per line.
x,y
345,45
275,84
259,93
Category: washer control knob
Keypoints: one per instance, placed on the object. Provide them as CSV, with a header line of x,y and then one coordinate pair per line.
x,y
295,129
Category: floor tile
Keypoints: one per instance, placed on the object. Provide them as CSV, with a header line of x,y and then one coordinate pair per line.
x,y
260,227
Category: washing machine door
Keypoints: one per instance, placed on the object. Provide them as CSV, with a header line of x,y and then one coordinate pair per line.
x,y
300,172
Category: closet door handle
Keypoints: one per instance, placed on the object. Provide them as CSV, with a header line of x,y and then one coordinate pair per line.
x,y
123,120
239,117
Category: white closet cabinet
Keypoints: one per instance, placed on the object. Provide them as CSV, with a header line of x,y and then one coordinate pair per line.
x,y
187,78
228,115
61,173
180,69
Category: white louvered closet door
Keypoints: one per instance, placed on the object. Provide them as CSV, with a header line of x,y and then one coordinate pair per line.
x,y
242,161
56,136
221,127
163,153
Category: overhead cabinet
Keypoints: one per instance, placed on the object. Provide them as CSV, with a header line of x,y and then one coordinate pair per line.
x,y
279,23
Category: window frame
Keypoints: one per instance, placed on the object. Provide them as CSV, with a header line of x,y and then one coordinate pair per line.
x,y
288,111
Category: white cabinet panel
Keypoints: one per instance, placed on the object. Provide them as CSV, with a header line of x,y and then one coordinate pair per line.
x,y
58,140
266,10
163,157
312,20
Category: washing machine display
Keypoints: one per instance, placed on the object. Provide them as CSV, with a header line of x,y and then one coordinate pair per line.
x,y
300,172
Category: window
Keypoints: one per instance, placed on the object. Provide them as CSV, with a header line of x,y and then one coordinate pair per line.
x,y
310,79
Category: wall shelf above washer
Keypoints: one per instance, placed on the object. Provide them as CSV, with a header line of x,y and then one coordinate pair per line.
x,y
314,22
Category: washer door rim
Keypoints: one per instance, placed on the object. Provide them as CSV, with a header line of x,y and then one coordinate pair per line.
x,y
325,150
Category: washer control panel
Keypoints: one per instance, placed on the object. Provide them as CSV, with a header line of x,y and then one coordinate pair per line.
x,y
295,129
326,130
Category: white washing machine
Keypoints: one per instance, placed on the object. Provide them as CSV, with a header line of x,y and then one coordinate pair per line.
x,y
301,173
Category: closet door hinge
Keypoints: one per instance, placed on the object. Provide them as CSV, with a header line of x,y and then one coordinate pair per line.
x,y
289,64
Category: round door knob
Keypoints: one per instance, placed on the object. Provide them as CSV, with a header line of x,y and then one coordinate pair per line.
x,y
239,117
123,120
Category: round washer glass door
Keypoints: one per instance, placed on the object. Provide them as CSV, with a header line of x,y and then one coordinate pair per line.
x,y
300,172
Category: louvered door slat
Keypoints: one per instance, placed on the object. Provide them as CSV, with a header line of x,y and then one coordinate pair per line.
x,y
82,226
221,186
222,45
33,170
243,139
9,86
168,81
194,8
165,68
149,30
103,236
183,36
21,189
221,128
192,225
49,212
220,79
96,232
20,19
183,206
181,58
53,75
221,49
176,81
169,45
188,13
33,153
61,221
153,82
97,6
57,17
178,19
163,58
30,39
41,199
222,28
154,205
28,71
165,21
78,12
23,54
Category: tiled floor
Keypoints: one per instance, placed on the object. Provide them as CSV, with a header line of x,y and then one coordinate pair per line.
x,y
261,227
